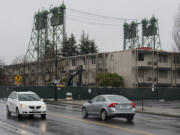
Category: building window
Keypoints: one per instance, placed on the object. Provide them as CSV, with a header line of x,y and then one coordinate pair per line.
x,y
163,74
141,74
177,59
73,62
84,60
140,57
66,63
178,74
112,57
93,60
163,58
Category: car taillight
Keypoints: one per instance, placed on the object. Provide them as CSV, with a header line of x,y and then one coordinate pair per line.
x,y
133,105
112,104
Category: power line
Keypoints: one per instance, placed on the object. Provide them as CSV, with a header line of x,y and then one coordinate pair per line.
x,y
93,23
102,16
92,18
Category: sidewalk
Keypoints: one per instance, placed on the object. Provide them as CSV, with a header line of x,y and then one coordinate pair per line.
x,y
162,111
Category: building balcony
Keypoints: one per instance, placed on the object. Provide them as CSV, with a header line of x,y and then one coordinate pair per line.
x,y
145,65
163,85
164,80
164,65
144,68
145,51
177,68
163,68
141,84
146,80
178,81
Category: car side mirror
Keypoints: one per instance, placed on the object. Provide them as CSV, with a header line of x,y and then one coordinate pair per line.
x,y
90,101
42,100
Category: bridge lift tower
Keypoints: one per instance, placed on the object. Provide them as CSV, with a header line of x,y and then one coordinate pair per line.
x,y
47,34
149,33
131,38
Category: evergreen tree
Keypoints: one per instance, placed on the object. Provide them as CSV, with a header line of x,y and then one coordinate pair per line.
x,y
86,45
49,51
83,46
65,48
93,47
72,46
69,47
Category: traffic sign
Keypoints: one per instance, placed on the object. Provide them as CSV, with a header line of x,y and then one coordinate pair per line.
x,y
18,82
18,77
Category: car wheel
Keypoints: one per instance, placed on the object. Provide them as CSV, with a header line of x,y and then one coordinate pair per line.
x,y
17,113
104,115
8,112
84,113
130,118
43,116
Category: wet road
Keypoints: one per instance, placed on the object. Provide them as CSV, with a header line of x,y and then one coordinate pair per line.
x,y
67,120
159,103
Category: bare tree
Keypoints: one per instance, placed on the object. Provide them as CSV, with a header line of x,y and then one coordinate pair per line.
x,y
2,63
176,31
20,60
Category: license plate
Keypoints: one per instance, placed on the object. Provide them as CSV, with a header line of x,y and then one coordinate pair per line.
x,y
123,107
34,110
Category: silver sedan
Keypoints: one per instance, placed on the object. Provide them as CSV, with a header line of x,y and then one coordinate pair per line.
x,y
109,106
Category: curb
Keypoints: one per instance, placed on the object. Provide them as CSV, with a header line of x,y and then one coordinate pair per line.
x,y
137,111
63,103
159,114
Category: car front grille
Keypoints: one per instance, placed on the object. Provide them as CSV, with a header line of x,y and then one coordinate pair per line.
x,y
34,107
38,107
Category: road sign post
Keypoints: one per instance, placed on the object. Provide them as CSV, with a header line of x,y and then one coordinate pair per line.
x,y
18,79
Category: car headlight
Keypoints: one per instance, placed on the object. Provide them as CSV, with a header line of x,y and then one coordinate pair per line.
x,y
23,106
43,106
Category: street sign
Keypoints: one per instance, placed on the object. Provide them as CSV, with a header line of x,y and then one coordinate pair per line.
x,y
18,82
18,77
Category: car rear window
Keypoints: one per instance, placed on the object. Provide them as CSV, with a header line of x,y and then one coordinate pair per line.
x,y
118,99
28,97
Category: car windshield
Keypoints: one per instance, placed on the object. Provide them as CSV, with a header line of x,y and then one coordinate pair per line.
x,y
118,99
28,97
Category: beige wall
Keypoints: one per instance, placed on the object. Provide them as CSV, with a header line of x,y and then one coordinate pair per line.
x,y
122,65
121,62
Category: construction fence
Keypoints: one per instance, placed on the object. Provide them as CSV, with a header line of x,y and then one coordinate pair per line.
x,y
81,93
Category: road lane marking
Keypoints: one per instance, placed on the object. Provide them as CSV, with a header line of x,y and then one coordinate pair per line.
x,y
15,129
101,124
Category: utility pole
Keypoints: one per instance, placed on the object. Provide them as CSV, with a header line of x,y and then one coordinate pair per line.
x,y
56,75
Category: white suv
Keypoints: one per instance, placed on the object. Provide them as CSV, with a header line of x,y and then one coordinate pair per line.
x,y
26,103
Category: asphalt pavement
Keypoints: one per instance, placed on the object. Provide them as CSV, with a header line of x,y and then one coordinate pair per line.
x,y
155,107
6,132
66,119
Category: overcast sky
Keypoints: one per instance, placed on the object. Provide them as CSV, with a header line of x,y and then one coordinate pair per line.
x,y
17,19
